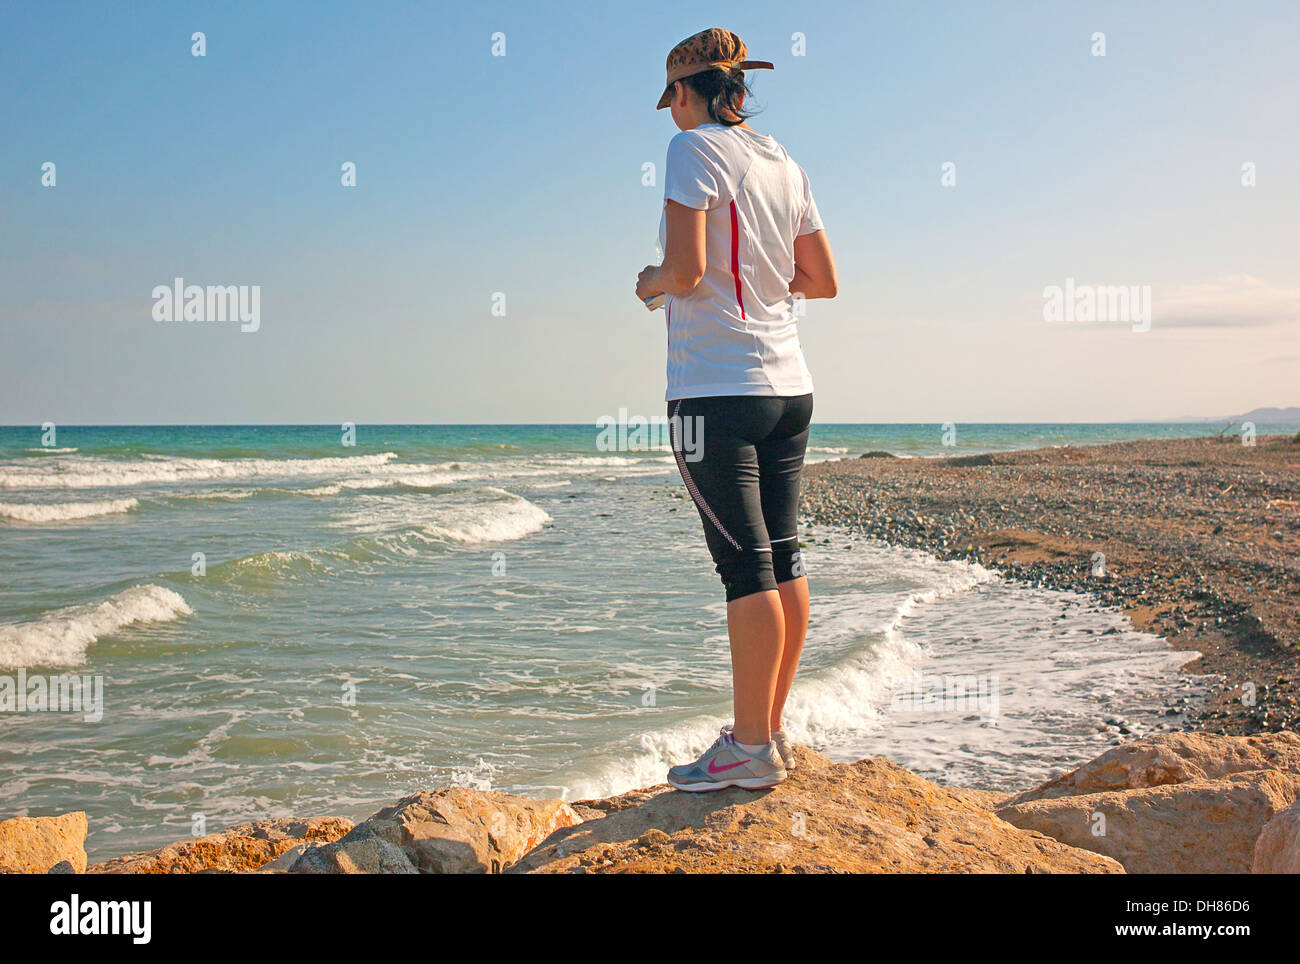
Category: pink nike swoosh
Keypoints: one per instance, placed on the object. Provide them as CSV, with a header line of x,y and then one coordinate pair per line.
x,y
714,768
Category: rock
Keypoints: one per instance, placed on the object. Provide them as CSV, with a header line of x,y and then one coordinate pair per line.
x,y
62,867
362,851
870,816
1196,827
1172,758
461,831
241,849
34,845
984,799
282,863
1278,849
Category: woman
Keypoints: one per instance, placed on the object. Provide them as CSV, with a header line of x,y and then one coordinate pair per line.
x,y
741,238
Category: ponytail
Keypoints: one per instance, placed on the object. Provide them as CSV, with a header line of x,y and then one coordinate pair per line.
x,y
724,92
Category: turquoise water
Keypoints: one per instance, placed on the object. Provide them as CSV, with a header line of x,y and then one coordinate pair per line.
x,y
285,624
464,441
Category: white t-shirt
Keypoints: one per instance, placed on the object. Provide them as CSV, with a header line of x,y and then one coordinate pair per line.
x,y
735,334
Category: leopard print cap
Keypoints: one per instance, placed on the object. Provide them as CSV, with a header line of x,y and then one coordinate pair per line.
x,y
714,47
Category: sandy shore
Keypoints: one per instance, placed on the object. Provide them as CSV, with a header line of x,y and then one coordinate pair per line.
x,y
1201,539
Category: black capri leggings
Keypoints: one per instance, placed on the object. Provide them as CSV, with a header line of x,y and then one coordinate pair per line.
x,y
741,457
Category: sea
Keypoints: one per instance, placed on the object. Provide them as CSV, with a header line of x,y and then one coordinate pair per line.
x,y
317,620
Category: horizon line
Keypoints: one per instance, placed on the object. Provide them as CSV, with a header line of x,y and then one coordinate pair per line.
x,y
1183,420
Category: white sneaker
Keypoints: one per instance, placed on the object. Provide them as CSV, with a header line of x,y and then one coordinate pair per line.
x,y
783,747
727,764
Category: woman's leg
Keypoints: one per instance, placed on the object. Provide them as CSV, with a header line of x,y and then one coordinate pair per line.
x,y
723,481
780,461
756,628
794,609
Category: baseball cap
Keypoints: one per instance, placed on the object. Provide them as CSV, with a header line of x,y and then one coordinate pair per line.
x,y
710,48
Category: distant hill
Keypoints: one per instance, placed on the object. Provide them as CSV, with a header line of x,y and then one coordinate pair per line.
x,y
1260,416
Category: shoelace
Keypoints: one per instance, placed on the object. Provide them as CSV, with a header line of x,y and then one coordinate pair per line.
x,y
724,738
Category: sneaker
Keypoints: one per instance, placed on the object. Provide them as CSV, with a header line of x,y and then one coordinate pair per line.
x,y
726,764
782,747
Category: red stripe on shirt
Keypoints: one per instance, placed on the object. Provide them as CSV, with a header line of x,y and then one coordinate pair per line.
x,y
735,258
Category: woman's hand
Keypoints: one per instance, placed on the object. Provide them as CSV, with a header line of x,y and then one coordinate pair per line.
x,y
647,283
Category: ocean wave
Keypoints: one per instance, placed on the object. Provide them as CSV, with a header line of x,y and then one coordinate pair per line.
x,y
828,449
336,474
63,511
277,565
405,480
52,451
230,495
485,514
61,637
96,473
849,697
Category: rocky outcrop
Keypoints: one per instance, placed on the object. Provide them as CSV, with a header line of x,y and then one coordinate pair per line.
x,y
1173,758
1175,803
1196,827
871,817
452,831
1278,849
984,799
35,845
240,849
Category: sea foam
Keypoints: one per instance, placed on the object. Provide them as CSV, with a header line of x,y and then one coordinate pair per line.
x,y
94,473
63,511
849,697
486,514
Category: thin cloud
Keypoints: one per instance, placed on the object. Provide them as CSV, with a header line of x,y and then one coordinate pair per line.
x,y
1237,301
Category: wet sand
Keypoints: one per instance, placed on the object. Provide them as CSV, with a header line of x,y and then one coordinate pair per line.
x,y
1200,539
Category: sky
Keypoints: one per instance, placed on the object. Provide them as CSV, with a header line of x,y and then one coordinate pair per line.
x,y
485,181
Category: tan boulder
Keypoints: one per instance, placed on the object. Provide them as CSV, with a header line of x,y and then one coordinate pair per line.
x,y
870,816
984,799
34,845
1197,827
1172,758
1277,851
240,849
461,831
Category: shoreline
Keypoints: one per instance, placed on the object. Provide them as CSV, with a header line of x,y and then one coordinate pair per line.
x,y
1200,537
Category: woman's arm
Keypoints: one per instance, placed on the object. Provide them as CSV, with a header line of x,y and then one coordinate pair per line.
x,y
683,265
814,267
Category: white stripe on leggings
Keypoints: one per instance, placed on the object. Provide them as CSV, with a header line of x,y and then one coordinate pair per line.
x,y
690,483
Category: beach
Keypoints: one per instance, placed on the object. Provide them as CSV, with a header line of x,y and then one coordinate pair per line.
x,y
1200,537
280,626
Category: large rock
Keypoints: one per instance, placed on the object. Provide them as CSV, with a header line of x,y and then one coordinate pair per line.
x,y
1173,758
1277,851
363,851
457,831
870,816
1197,827
240,849
33,845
